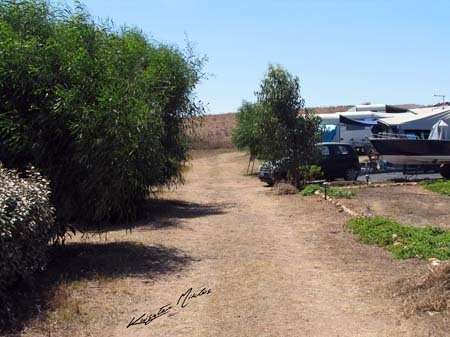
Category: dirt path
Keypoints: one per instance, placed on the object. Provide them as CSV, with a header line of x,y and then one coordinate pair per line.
x,y
276,266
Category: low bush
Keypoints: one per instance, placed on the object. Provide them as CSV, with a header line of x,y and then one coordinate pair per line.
x,y
26,226
310,172
439,186
403,241
331,191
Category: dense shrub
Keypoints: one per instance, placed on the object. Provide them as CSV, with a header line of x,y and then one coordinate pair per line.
x,y
26,226
100,111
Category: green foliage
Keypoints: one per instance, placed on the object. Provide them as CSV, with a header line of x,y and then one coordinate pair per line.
x,y
310,172
311,189
286,132
26,226
246,134
277,127
402,240
440,186
101,112
331,191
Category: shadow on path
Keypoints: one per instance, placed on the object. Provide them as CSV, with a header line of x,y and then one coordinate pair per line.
x,y
85,261
161,214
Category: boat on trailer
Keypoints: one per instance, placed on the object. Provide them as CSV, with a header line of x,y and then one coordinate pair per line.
x,y
401,149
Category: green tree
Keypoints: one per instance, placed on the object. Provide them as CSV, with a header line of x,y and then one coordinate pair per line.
x,y
100,111
287,129
246,134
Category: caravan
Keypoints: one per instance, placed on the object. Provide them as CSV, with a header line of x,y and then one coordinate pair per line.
x,y
417,124
354,126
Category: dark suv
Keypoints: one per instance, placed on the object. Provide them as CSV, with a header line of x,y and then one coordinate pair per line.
x,y
337,160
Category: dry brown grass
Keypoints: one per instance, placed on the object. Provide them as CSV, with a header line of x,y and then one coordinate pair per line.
x,y
429,292
89,280
284,188
214,131
331,109
64,305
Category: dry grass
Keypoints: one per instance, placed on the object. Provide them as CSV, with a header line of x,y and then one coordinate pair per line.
x,y
284,188
429,292
91,279
214,131
63,304
331,109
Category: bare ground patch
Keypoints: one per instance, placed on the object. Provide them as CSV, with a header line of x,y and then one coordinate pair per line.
x,y
408,204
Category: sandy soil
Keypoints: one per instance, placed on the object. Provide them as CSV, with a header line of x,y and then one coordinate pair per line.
x,y
408,204
276,266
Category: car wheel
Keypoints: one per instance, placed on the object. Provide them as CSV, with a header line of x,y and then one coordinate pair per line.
x,y
444,170
351,174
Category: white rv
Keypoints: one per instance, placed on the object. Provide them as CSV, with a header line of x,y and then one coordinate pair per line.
x,y
355,125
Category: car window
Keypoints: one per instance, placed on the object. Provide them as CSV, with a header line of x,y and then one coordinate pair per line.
x,y
342,150
325,150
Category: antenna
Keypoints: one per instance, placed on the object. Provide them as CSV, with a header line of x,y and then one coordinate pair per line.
x,y
443,100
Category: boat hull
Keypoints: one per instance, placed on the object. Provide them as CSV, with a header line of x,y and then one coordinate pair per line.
x,y
413,151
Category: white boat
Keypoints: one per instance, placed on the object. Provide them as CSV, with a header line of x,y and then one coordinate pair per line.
x,y
408,149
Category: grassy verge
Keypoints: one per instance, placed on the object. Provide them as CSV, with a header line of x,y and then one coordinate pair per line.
x,y
331,191
438,186
403,241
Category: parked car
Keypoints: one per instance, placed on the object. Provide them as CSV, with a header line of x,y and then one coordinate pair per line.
x,y
337,160
272,171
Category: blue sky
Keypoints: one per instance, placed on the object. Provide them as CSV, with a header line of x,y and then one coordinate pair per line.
x,y
344,52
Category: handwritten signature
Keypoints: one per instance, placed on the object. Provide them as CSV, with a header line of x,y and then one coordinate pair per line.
x,y
182,302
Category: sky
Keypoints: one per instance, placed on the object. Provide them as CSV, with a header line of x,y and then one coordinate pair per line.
x,y
343,51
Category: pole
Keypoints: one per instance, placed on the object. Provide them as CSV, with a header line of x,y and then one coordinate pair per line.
x,y
443,99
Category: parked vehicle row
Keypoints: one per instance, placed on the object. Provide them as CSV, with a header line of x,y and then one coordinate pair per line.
x,y
337,160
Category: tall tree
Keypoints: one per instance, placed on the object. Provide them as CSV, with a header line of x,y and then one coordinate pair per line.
x,y
288,131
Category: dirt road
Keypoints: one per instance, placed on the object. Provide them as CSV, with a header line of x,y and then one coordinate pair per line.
x,y
275,266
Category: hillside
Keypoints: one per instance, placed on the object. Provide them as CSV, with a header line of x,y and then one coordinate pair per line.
x,y
214,131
